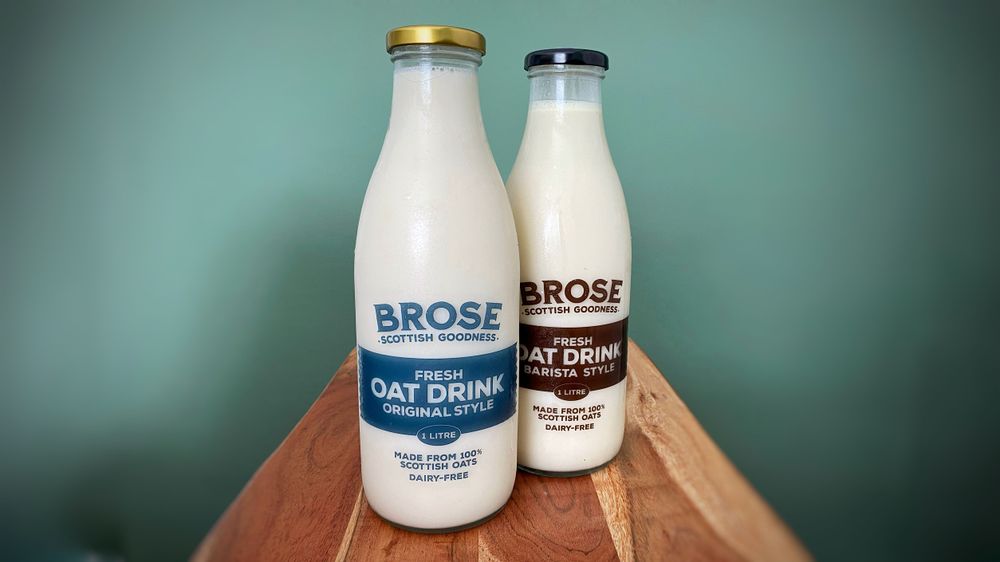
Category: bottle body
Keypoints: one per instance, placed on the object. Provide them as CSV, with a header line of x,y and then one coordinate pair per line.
x,y
575,249
436,270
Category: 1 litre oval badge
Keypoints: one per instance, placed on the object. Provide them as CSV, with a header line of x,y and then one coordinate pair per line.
x,y
439,434
571,391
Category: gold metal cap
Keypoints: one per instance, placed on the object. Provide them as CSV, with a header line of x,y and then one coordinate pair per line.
x,y
435,35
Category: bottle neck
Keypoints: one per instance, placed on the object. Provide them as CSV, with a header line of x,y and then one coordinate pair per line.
x,y
558,83
435,88
565,118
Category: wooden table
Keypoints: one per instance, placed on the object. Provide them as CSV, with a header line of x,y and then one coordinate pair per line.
x,y
671,494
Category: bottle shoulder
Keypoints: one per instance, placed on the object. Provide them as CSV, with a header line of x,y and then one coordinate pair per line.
x,y
436,216
554,188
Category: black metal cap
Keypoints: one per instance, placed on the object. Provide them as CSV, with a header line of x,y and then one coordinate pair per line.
x,y
566,56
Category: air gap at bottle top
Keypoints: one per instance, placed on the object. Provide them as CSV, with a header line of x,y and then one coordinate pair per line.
x,y
576,258
436,281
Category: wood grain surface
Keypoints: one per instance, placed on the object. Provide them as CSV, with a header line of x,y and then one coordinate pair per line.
x,y
671,494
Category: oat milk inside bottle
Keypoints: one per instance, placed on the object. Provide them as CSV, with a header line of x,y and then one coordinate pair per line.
x,y
436,284
576,257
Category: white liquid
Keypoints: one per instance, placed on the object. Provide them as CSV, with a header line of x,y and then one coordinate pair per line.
x,y
572,224
436,226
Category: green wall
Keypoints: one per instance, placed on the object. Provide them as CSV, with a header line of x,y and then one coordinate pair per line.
x,y
813,195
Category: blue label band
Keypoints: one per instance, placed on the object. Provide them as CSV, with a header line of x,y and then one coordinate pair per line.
x,y
437,399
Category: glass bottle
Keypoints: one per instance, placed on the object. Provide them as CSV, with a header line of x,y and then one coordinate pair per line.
x,y
576,258
436,273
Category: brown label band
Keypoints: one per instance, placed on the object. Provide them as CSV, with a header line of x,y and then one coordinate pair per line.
x,y
571,362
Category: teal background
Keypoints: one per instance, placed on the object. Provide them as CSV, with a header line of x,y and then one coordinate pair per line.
x,y
813,196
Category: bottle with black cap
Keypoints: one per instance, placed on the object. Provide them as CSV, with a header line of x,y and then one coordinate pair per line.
x,y
576,258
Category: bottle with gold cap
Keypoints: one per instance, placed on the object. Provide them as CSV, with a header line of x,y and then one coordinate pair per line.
x,y
436,278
